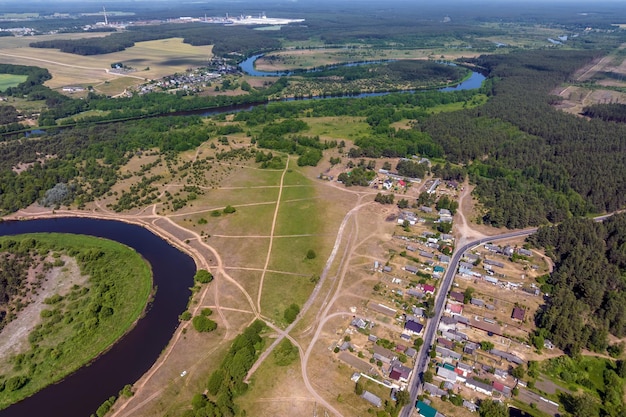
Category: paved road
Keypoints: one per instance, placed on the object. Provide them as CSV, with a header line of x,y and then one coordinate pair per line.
x,y
431,328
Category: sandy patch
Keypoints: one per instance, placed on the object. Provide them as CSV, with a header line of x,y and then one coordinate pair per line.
x,y
58,280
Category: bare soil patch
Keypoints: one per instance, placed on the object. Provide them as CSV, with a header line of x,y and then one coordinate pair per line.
x,y
58,280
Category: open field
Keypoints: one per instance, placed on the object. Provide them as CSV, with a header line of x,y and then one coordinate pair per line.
x,y
10,80
148,60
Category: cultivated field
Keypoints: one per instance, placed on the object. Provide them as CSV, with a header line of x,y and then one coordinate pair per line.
x,y
147,60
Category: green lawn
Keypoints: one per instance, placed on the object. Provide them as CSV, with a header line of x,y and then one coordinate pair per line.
x,y
10,80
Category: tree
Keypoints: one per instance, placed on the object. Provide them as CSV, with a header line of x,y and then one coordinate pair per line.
x,y
358,388
468,294
203,324
486,345
310,254
491,408
518,372
229,209
203,276
418,343
427,376
403,203
291,313
402,398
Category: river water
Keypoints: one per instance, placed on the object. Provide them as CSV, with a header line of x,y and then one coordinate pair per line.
x,y
247,66
81,393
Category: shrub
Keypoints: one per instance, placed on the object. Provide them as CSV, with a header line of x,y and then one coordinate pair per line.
x,y
203,324
203,276
291,313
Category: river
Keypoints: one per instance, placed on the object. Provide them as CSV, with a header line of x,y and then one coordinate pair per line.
x,y
248,67
81,393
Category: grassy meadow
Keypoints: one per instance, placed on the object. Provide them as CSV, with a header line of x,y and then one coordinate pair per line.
x,y
10,80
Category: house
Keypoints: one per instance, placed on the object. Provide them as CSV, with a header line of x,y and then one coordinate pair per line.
x,y
387,268
501,388
445,212
508,251
383,359
447,353
410,268
508,356
425,209
400,348
359,323
465,369
384,353
470,406
501,373
411,248
415,293
410,352
445,343
400,373
518,314
524,252
434,390
371,398
471,257
457,296
492,248
425,410
426,254
446,237
428,289
454,309
355,377
491,280
345,346
447,323
372,338
413,327
478,386
466,265
446,374
493,263
418,312
444,259
470,347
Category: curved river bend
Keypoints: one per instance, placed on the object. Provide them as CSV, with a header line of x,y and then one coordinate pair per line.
x,y
81,393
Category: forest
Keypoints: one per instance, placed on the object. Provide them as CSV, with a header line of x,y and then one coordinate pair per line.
x,y
587,287
531,162
611,112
